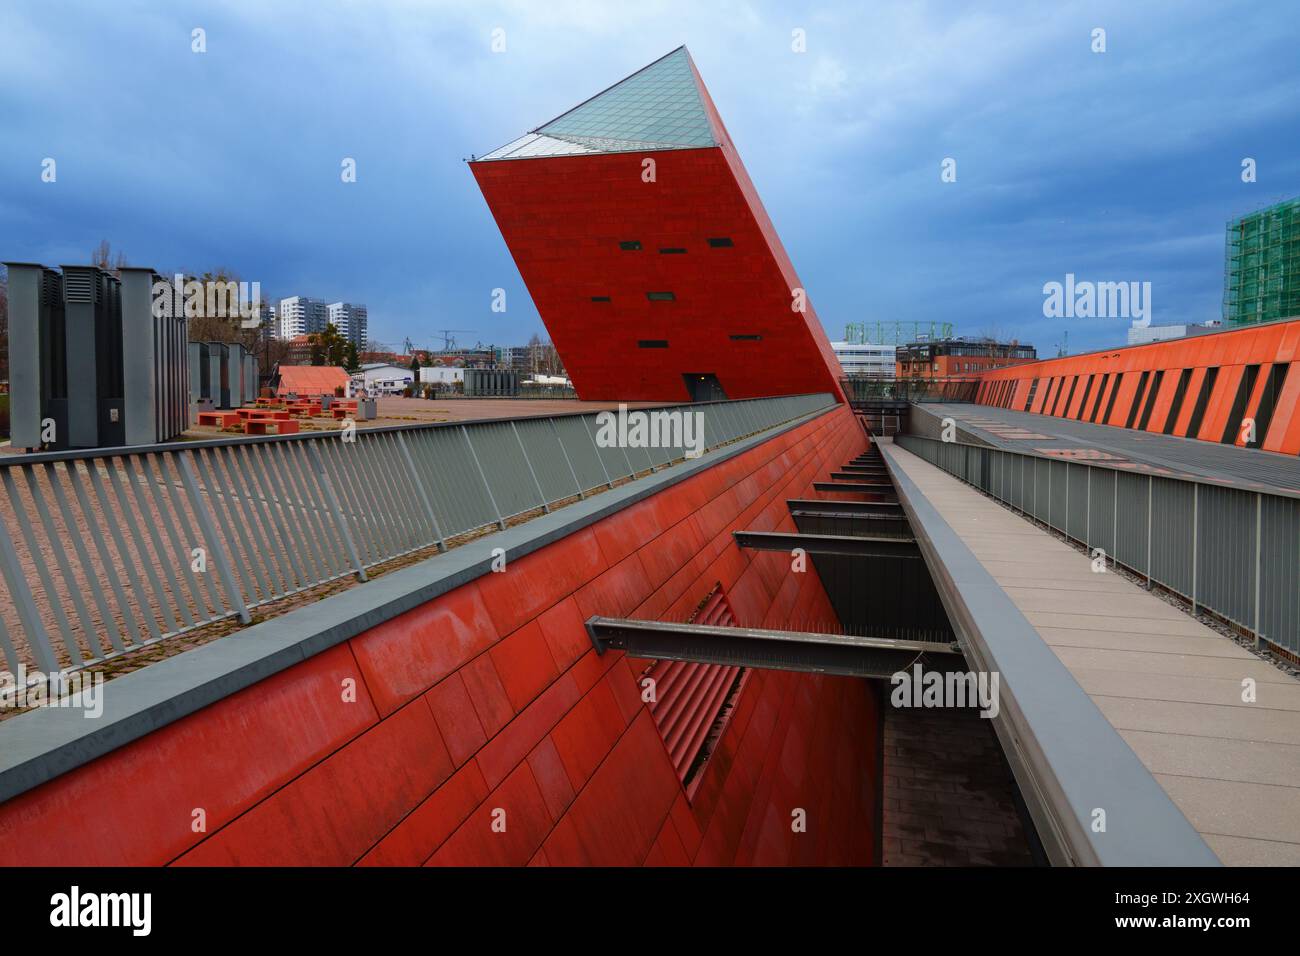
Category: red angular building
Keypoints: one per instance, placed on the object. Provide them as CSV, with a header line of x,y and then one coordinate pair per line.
x,y
647,251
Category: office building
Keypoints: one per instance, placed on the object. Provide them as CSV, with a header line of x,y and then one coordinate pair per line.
x,y
302,315
875,361
351,320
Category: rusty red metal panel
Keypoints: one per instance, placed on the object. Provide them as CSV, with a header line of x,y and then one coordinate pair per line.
x,y
689,698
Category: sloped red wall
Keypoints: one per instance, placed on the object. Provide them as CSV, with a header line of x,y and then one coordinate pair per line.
x,y
563,219
1121,401
491,699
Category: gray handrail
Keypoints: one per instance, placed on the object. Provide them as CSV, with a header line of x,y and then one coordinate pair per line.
x,y
165,539
1231,551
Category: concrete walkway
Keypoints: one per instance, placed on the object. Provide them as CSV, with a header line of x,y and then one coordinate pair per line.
x,y
1172,687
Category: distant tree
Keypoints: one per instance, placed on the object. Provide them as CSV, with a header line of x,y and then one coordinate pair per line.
x,y
102,256
353,362
329,347
415,364
543,358
219,319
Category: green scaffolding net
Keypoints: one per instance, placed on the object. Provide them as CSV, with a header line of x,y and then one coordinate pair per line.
x,y
1261,281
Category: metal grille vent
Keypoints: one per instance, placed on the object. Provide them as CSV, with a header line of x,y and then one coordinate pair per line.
x,y
78,287
692,700
52,289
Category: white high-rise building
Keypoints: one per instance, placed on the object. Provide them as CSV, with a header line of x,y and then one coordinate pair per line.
x,y
302,315
351,319
865,359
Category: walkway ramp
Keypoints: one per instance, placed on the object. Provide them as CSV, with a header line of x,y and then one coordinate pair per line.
x,y
1170,686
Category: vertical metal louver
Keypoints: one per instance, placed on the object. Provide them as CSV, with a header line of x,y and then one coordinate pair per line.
x,y
78,286
693,701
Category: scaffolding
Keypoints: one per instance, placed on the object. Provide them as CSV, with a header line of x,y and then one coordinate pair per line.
x,y
1261,270
890,332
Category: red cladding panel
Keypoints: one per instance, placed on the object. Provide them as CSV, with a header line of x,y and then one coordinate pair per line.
x,y
536,726
1228,353
563,218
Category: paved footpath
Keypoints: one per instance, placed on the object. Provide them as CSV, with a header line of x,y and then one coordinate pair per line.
x,y
1171,686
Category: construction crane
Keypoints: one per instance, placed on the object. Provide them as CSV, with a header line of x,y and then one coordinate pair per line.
x,y
1063,348
448,339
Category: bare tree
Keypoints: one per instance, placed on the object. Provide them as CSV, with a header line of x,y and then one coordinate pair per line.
x,y
102,256
218,319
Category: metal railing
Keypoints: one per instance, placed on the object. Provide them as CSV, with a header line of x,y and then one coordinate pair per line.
x,y
446,392
1231,552
872,389
107,551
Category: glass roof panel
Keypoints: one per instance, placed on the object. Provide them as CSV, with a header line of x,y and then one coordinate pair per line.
x,y
658,107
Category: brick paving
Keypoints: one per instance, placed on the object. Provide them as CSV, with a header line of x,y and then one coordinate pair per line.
x,y
949,797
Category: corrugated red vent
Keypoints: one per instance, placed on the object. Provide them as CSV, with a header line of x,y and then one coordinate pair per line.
x,y
692,701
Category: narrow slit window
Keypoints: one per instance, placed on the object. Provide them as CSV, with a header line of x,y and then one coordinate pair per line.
x,y
672,251
1101,394
746,338
630,245
1268,402
652,344
600,298
660,296
1060,390
1047,396
1180,393
1152,393
1202,402
1083,402
721,242
1069,399
1233,428
1137,400
1110,403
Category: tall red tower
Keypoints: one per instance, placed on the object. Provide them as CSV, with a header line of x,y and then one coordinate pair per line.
x,y
648,253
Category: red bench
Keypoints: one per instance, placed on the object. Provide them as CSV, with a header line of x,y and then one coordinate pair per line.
x,y
219,419
270,426
262,413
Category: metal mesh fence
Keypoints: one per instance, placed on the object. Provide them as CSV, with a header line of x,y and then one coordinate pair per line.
x,y
105,552
1235,553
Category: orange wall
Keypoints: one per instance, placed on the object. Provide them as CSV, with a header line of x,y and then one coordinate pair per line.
x,y
1230,352
492,697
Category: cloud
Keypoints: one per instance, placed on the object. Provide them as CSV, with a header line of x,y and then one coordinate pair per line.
x,y
1116,165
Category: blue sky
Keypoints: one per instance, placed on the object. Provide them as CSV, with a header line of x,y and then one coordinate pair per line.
x,y
1115,166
